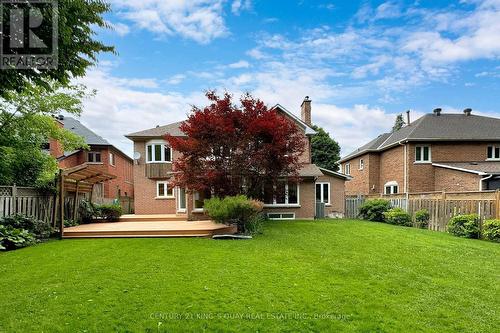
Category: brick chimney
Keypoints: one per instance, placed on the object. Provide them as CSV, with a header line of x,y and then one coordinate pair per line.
x,y
305,109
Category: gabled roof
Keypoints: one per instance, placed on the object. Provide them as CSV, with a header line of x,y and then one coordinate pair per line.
x,y
174,130
308,129
90,137
158,131
430,127
76,127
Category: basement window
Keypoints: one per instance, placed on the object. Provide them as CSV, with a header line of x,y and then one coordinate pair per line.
x,y
281,216
493,153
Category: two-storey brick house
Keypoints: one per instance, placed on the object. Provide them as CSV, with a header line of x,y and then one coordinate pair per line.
x,y
153,174
437,152
101,154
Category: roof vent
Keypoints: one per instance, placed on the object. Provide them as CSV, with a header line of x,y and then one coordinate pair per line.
x,y
157,126
60,117
437,111
468,111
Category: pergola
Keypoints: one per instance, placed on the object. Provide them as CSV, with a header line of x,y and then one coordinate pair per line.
x,y
79,179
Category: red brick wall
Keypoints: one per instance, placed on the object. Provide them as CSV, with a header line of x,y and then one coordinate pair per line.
x,y
392,167
455,181
360,182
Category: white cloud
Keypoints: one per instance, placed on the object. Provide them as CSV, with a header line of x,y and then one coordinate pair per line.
x,y
199,20
239,64
176,79
119,108
120,28
387,10
240,5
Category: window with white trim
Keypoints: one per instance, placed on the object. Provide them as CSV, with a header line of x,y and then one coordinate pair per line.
x,y
422,154
284,193
199,199
347,168
361,164
163,190
111,159
494,152
323,193
281,216
391,188
158,152
94,157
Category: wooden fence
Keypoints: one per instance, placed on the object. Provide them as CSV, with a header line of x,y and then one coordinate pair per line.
x,y
442,206
28,201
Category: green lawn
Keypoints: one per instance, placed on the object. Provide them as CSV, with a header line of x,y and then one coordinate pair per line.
x,y
351,276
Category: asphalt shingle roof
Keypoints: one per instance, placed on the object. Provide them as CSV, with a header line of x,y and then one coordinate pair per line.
x,y
482,168
76,127
430,127
159,131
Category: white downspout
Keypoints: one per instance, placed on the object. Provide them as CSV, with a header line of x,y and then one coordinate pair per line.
x,y
405,172
481,181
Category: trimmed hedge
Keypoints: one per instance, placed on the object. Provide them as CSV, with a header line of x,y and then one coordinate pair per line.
x,y
422,218
374,209
491,230
464,226
398,216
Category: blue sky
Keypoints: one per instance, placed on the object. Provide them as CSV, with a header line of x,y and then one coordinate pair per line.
x,y
361,62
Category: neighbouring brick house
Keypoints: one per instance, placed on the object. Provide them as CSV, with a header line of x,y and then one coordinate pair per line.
x,y
437,152
153,171
102,154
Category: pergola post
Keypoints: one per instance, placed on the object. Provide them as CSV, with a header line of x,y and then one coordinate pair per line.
x,y
75,201
61,203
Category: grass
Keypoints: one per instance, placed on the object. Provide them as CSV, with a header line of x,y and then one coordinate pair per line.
x,y
351,276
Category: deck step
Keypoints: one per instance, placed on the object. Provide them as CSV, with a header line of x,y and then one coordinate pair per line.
x,y
152,218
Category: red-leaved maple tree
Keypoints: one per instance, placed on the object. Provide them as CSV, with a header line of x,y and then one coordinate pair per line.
x,y
231,149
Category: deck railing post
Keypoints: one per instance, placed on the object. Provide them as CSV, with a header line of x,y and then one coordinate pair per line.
x,y
61,203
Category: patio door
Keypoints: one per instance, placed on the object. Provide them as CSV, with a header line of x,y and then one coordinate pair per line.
x,y
181,200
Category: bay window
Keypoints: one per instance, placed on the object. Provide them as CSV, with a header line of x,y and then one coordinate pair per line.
x,y
158,152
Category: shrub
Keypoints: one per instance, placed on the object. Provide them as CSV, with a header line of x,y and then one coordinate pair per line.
x,y
233,209
374,209
87,211
464,226
40,229
109,212
13,238
422,218
491,230
398,216
70,223
255,225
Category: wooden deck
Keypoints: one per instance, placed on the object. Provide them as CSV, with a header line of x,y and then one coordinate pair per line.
x,y
143,227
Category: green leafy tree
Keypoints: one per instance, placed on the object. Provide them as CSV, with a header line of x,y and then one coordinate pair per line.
x,y
325,150
77,46
27,123
398,123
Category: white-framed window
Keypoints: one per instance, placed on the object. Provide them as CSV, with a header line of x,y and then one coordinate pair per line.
x,y
281,216
163,190
493,153
422,154
112,159
391,188
181,199
199,199
284,194
158,152
323,192
94,157
347,168
361,164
